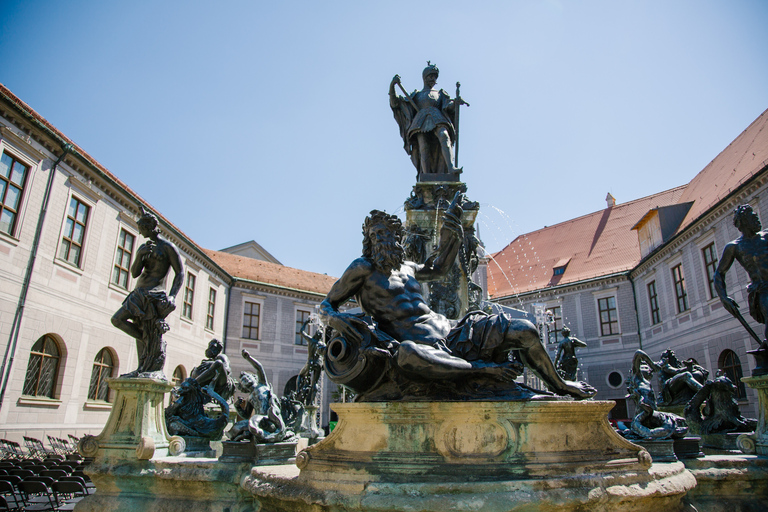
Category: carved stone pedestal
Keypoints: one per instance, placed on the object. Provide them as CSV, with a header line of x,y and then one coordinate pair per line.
x,y
490,456
136,428
259,454
760,383
661,450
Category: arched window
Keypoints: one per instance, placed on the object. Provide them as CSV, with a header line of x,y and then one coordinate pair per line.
x,y
103,368
179,374
730,364
43,368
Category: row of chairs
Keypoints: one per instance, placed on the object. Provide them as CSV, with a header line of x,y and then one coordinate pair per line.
x,y
51,484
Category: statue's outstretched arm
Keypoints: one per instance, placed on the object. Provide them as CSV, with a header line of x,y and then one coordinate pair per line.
x,y
256,365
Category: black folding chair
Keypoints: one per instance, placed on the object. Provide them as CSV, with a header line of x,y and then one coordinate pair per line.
x,y
23,473
37,496
56,474
8,492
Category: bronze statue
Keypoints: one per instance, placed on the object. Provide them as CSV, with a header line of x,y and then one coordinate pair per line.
x,y
648,422
566,362
263,421
679,380
186,415
142,315
412,344
751,251
309,375
215,371
714,410
427,121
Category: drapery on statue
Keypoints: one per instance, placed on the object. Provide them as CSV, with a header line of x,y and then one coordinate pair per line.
x,y
215,371
679,380
714,410
142,315
427,121
413,352
566,362
751,251
263,421
648,422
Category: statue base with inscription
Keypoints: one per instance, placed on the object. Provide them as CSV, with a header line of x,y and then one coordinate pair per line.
x,y
493,456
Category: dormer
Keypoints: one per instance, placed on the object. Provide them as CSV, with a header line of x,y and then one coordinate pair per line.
x,y
659,225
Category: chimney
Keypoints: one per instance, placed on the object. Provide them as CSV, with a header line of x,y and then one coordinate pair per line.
x,y
610,200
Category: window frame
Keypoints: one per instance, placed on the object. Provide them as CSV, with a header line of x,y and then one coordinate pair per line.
x,y
298,339
710,267
681,294
210,314
129,278
557,324
653,303
738,372
610,322
31,166
42,355
98,363
188,298
259,331
81,198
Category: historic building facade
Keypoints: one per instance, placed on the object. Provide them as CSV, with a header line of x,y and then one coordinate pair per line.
x,y
639,275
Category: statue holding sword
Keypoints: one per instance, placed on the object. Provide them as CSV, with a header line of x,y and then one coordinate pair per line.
x,y
428,121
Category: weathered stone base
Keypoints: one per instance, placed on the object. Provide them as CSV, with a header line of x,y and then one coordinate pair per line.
x,y
259,454
688,447
729,483
720,444
491,456
661,450
172,484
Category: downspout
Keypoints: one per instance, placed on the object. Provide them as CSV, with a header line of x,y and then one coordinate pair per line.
x,y
637,315
226,316
13,339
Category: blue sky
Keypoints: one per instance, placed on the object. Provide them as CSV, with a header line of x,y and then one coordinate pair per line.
x,y
270,121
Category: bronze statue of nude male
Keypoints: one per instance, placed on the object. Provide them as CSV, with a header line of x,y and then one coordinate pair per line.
x,y
399,349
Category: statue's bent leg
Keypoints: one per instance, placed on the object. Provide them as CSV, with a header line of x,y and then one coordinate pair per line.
x,y
121,320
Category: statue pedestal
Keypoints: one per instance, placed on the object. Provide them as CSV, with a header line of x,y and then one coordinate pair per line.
x,y
259,454
136,428
491,456
760,383
309,428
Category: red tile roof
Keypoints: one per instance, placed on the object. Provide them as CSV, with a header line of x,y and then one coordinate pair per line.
x,y
272,273
598,244
746,156
602,243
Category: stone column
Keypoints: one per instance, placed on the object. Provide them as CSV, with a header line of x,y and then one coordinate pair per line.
x,y
136,427
760,383
424,219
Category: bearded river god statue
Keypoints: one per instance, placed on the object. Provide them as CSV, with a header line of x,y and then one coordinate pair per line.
x,y
399,349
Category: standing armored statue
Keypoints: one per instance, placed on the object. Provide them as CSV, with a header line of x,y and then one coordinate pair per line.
x,y
143,313
751,251
566,362
426,121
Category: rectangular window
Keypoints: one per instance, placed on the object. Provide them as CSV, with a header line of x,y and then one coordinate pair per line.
x,y
653,298
13,176
680,294
123,256
301,318
710,265
609,320
189,296
72,240
251,314
211,309
557,324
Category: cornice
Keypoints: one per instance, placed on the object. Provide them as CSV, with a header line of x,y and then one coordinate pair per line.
x,y
713,215
555,291
274,289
